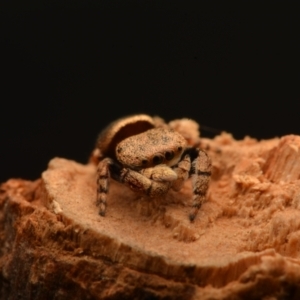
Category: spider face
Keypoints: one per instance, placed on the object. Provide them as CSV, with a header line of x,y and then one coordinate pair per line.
x,y
150,148
150,157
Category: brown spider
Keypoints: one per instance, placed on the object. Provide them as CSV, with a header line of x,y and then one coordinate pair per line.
x,y
145,154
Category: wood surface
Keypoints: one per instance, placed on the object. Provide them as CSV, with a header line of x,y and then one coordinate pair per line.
x,y
244,243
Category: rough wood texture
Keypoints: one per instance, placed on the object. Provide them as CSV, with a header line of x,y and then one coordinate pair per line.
x,y
244,244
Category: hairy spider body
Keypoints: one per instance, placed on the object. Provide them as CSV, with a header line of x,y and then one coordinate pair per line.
x,y
149,157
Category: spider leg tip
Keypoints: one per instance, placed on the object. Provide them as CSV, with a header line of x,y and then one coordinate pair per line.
x,y
192,217
102,213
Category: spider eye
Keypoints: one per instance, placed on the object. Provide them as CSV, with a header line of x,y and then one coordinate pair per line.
x,y
144,162
179,148
157,159
169,155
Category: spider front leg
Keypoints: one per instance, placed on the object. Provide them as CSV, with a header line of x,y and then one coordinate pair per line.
x,y
153,182
161,173
182,170
103,175
200,173
142,184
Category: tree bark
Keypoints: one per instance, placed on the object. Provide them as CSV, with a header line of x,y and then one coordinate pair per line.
x,y
244,243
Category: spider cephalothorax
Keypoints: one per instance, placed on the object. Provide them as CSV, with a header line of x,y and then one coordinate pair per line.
x,y
150,157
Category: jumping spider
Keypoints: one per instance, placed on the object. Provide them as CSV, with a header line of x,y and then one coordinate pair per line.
x,y
145,154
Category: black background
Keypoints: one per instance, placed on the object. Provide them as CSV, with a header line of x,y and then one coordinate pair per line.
x,y
72,67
